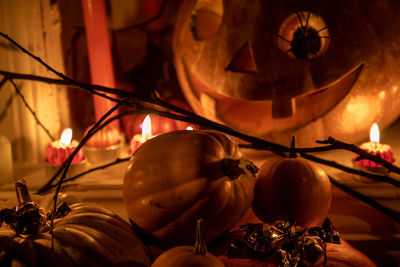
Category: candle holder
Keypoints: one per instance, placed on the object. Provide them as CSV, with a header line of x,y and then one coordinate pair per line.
x,y
104,146
99,156
376,148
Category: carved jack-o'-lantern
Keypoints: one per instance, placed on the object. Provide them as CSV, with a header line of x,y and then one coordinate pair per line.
x,y
275,69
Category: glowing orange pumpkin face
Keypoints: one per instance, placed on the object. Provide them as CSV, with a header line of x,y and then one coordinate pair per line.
x,y
275,69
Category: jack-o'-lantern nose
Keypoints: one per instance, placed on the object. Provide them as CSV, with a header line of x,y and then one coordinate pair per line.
x,y
303,35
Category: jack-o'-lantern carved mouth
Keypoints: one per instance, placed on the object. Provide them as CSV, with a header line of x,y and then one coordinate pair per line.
x,y
256,116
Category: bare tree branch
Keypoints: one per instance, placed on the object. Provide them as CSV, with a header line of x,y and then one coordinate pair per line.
x,y
32,111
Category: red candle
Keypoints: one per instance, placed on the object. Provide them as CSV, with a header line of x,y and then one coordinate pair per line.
x,y
99,52
138,139
57,152
104,138
376,148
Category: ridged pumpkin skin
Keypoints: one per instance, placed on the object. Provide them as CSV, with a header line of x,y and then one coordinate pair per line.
x,y
195,256
88,236
185,256
176,178
292,188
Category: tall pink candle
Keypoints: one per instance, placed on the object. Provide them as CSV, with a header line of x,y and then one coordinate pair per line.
x,y
99,51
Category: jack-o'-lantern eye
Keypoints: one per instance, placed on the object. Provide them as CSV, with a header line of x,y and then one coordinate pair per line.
x,y
206,18
303,35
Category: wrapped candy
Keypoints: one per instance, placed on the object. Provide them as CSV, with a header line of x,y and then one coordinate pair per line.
x,y
285,241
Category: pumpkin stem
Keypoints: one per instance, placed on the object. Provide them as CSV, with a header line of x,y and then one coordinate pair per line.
x,y
233,168
200,245
22,191
293,153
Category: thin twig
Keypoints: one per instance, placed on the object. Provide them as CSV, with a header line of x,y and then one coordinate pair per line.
x,y
67,164
156,102
3,81
73,178
32,112
3,113
38,59
362,153
296,150
90,88
251,146
96,128
377,177
389,212
64,167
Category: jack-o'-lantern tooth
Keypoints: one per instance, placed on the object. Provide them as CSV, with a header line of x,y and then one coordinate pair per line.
x,y
243,61
282,107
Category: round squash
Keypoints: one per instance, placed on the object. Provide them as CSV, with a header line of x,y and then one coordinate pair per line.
x,y
176,178
87,236
183,256
291,189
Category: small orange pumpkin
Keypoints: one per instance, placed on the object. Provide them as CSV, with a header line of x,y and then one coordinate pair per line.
x,y
291,189
183,256
176,178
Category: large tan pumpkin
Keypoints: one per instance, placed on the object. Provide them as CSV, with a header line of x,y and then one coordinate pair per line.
x,y
176,178
331,69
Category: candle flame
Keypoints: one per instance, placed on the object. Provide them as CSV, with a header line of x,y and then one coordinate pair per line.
x,y
146,127
374,133
66,137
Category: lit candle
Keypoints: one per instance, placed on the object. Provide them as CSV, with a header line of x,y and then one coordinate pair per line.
x,y
139,139
5,161
376,148
57,152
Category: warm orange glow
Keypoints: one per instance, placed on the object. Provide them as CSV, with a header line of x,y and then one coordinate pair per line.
x,y
146,127
66,137
190,128
374,133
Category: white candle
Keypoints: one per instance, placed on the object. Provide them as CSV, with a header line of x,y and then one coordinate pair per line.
x,y
6,171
